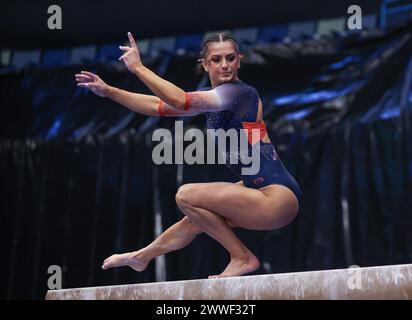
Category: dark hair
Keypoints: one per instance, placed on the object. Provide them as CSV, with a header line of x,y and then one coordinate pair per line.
x,y
214,37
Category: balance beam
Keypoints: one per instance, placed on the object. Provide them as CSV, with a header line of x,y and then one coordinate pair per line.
x,y
381,282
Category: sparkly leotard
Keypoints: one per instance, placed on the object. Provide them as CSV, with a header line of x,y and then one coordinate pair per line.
x,y
234,105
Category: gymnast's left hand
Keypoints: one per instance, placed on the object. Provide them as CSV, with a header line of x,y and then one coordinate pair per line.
x,y
131,55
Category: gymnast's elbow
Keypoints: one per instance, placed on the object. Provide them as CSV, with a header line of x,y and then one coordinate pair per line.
x,y
178,101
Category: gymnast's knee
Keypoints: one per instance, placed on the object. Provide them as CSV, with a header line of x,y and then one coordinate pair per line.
x,y
184,195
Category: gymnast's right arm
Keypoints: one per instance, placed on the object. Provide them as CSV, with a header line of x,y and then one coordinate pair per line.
x,y
149,105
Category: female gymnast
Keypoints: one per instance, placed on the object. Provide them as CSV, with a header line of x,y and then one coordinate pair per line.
x,y
266,201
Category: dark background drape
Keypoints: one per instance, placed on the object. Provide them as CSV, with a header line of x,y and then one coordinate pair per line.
x,y
104,21
78,182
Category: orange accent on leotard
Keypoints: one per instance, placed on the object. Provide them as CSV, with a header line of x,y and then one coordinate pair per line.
x,y
187,102
254,125
161,109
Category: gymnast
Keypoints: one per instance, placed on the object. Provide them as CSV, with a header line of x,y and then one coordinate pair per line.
x,y
267,200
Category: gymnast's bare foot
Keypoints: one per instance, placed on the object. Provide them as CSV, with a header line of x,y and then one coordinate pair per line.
x,y
133,260
238,267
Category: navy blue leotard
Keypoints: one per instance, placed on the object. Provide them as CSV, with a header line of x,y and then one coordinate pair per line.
x,y
234,105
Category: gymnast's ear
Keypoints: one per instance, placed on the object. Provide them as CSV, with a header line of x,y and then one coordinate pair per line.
x,y
241,56
205,65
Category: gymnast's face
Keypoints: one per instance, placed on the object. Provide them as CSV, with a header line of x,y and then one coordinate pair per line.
x,y
222,62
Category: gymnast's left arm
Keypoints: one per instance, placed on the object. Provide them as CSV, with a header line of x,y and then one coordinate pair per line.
x,y
171,94
174,100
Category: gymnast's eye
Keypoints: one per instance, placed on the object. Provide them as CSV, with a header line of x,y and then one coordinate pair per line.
x,y
231,58
215,60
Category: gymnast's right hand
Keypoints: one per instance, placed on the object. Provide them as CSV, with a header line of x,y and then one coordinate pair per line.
x,y
93,82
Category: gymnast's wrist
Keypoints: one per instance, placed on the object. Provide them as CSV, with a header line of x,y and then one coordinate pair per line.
x,y
109,91
138,69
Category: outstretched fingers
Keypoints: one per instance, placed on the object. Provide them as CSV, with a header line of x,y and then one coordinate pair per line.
x,y
83,78
124,48
132,41
86,84
86,79
92,75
